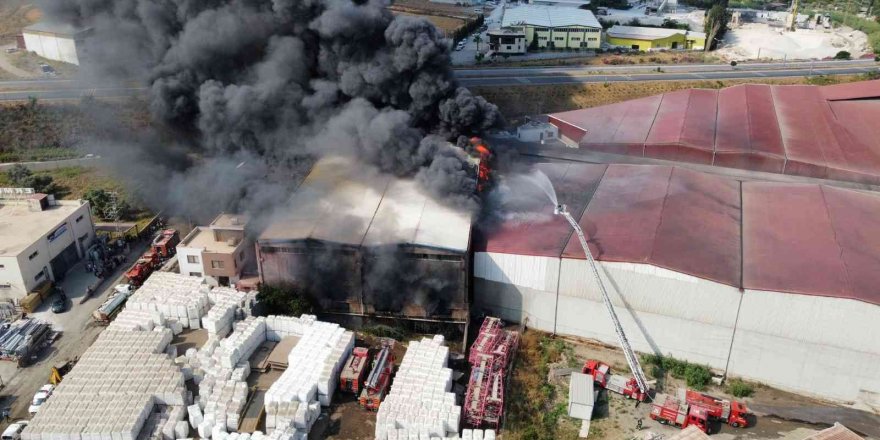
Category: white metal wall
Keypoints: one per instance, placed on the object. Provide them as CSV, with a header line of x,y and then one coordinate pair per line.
x,y
56,48
827,347
812,345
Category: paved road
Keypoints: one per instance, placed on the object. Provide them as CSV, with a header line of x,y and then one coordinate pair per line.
x,y
579,78
669,68
54,90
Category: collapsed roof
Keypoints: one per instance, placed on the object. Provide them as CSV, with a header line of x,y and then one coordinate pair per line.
x,y
344,202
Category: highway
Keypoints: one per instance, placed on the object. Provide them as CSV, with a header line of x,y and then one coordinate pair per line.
x,y
65,89
574,76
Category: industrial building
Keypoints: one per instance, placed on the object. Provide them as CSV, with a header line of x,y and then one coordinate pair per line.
x,y
825,132
365,243
650,38
547,27
219,252
772,282
56,41
581,4
40,239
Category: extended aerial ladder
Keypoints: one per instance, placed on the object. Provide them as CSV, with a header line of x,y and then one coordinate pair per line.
x,y
628,352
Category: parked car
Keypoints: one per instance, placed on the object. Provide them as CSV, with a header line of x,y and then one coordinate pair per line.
x,y
13,432
60,304
40,398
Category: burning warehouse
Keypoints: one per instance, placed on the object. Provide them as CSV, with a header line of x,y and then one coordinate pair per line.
x,y
364,243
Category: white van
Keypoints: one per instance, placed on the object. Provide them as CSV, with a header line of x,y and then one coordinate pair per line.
x,y
13,432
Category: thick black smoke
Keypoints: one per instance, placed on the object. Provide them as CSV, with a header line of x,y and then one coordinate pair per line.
x,y
276,81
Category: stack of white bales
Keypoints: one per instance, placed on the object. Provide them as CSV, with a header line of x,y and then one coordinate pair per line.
x,y
112,390
181,299
313,364
166,424
477,434
226,303
225,368
280,327
133,320
419,402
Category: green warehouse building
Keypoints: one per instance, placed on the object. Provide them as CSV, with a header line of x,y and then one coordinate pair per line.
x,y
529,27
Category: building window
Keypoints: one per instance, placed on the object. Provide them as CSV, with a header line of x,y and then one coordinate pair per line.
x,y
40,275
560,38
5,286
79,219
33,255
542,38
216,264
591,39
2,266
575,39
195,274
194,259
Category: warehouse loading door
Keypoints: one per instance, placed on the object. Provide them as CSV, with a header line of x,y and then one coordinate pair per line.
x,y
64,261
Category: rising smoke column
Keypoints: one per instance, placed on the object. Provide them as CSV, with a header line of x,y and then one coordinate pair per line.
x,y
269,82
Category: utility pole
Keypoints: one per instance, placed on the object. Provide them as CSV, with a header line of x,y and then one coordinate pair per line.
x,y
114,210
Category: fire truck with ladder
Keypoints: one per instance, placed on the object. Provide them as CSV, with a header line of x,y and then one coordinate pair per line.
x,y
379,379
143,267
603,378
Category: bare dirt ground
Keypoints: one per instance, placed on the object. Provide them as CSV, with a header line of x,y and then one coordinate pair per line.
x,y
426,7
757,40
15,15
30,62
446,24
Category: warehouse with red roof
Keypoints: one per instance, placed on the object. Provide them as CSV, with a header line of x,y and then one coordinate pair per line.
x,y
774,282
826,132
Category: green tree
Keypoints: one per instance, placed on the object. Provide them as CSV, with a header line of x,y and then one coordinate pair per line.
x,y
102,204
22,177
716,24
842,55
284,299
478,39
18,174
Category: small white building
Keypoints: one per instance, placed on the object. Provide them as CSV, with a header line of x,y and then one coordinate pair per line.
x,y
537,131
40,239
55,41
219,252
580,396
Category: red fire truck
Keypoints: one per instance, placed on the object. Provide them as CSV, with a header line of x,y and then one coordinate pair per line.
x,y
165,243
671,411
351,378
731,412
142,268
379,378
603,378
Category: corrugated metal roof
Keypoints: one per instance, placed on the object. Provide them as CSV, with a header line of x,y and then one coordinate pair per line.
x,y
55,27
836,432
793,130
344,202
797,238
648,33
548,16
580,389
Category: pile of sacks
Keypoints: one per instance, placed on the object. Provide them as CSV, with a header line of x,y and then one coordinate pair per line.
x,y
419,402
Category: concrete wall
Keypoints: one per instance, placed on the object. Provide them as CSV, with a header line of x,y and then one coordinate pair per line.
x,y
806,344
53,47
12,285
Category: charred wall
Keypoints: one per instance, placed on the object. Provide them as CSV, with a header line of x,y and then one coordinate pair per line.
x,y
388,281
